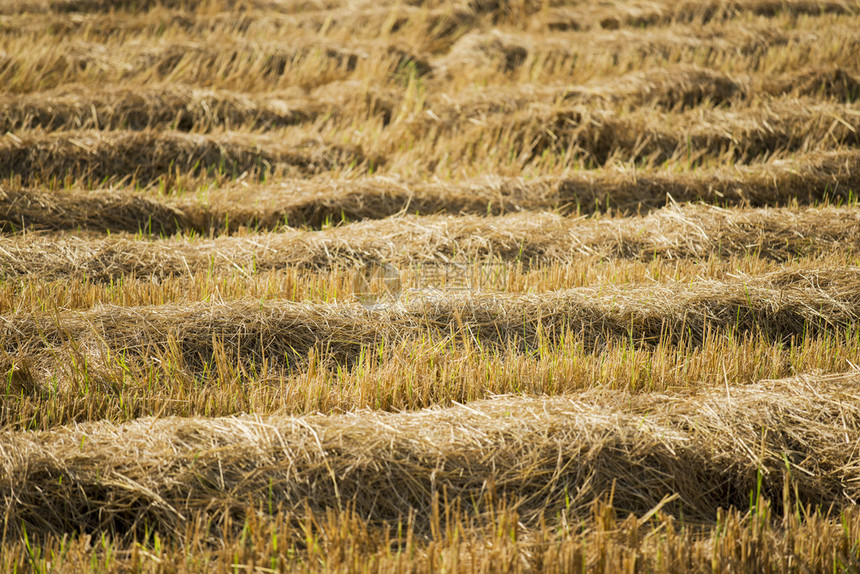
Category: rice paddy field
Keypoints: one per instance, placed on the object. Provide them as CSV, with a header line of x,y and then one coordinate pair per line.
x,y
429,285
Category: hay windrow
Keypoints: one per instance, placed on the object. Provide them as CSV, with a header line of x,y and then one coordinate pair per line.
x,y
138,6
823,176
530,239
547,455
683,87
170,107
598,137
222,63
103,211
432,29
830,177
635,15
148,156
226,58
657,14
780,307
815,178
836,82
187,109
750,47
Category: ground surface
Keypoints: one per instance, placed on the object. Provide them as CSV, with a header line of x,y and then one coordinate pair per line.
x,y
622,333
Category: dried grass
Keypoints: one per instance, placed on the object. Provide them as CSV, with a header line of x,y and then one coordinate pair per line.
x,y
681,87
760,48
430,30
142,6
149,156
780,307
805,179
168,107
664,324
596,137
637,14
818,177
191,110
549,456
658,14
810,179
556,136
224,51
35,210
695,231
836,83
219,62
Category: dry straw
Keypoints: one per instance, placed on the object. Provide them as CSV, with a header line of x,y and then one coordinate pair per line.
x,y
574,133
530,239
32,209
655,13
224,61
664,13
604,136
779,307
147,156
717,448
812,178
476,118
672,88
170,107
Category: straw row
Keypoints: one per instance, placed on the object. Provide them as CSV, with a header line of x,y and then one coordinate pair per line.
x,y
671,88
172,107
248,64
652,13
146,157
565,135
432,28
548,456
782,307
527,238
236,64
584,236
807,179
596,137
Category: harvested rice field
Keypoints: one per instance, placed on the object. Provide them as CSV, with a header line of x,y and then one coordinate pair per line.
x,y
430,286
